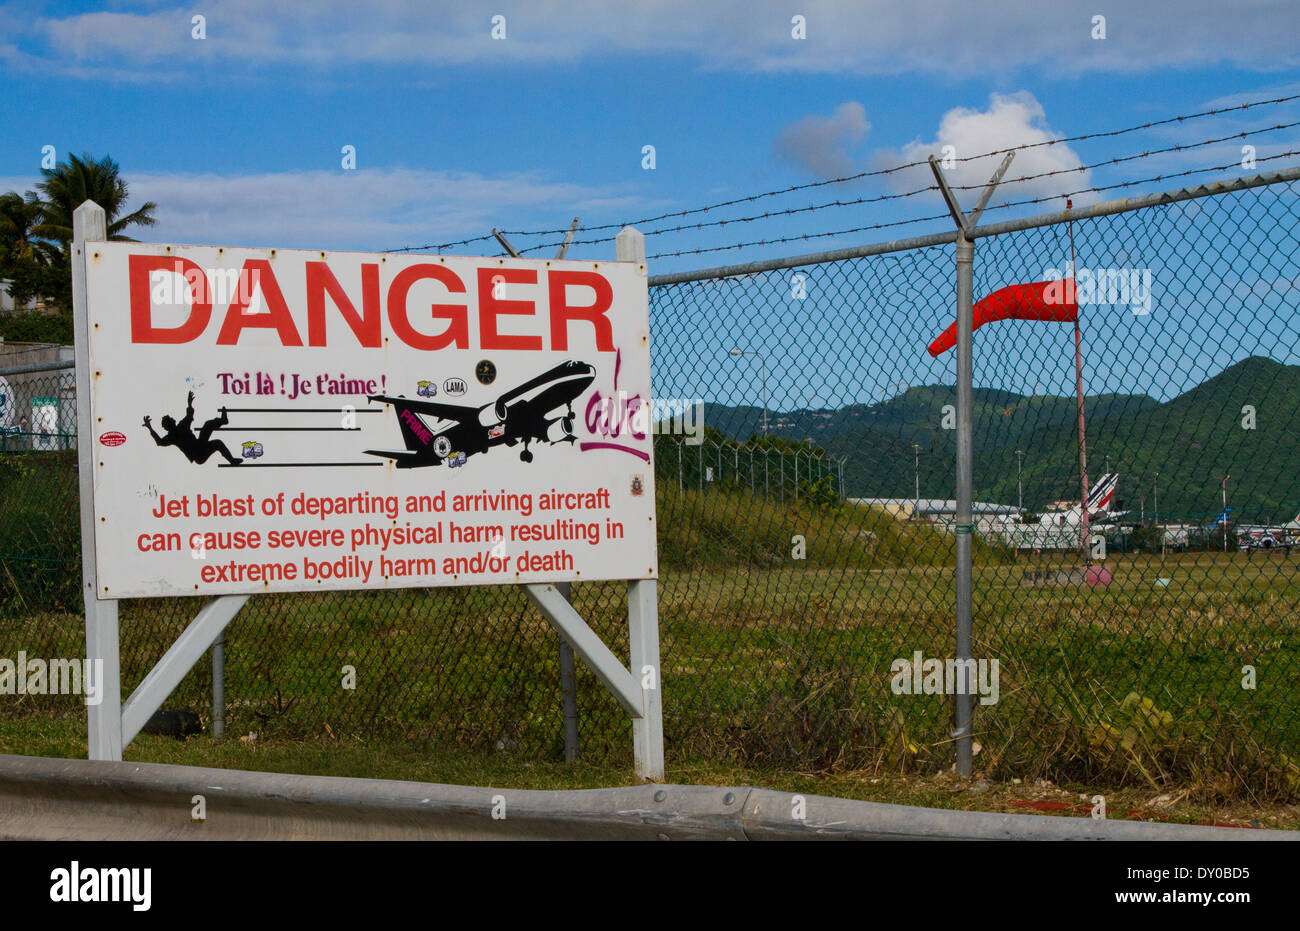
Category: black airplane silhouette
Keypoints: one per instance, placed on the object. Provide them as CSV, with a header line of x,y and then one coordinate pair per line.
x,y
520,415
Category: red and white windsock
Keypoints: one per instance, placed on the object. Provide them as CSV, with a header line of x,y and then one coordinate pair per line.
x,y
1054,301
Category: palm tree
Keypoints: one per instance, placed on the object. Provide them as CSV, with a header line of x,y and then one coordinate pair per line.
x,y
19,217
69,184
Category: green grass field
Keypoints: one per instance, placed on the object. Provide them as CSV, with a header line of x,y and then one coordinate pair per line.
x,y
773,665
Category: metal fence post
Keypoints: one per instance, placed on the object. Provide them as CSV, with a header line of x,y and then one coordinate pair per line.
x,y
965,253
219,686
965,535
568,687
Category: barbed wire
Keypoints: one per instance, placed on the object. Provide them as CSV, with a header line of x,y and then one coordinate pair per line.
x,y
1217,111
1129,158
914,164
1006,206
1123,184
445,245
960,187
750,219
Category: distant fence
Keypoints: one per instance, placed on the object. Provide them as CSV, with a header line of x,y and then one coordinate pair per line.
x,y
805,633
37,402
780,473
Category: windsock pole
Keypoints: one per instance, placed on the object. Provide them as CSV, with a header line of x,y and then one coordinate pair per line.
x,y
1085,535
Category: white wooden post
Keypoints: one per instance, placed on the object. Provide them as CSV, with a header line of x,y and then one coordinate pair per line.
x,y
104,720
643,635
643,616
638,689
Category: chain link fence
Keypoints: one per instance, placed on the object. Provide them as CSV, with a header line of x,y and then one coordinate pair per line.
x,y
807,543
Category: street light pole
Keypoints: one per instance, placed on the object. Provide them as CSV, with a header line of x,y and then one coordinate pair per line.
x,y
916,466
1225,512
1155,503
1020,490
762,360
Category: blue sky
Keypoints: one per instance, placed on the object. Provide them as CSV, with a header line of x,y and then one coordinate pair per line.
x,y
237,136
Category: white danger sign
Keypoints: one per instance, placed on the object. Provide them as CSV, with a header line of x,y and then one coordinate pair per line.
x,y
272,420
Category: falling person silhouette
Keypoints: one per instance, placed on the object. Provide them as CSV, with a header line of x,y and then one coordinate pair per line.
x,y
197,448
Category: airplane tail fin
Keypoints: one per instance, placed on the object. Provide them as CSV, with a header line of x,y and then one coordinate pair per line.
x,y
416,434
1102,495
1220,519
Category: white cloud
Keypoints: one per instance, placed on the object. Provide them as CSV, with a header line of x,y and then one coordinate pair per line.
x,y
366,209
948,37
820,144
1010,120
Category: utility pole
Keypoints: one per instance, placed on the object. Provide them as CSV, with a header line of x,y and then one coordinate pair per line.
x,y
1225,512
1085,536
1155,492
916,467
1020,490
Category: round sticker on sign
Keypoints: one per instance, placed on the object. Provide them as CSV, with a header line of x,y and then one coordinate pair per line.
x,y
486,372
112,438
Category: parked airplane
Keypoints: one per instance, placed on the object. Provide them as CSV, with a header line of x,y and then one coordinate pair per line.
x,y
1268,536
1059,527
1100,501
523,414
1223,519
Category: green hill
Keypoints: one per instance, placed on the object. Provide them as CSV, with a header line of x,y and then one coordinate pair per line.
x,y
1191,441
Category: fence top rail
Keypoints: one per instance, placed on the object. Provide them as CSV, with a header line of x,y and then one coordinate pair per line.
x,y
1106,208
38,367
811,258
1126,204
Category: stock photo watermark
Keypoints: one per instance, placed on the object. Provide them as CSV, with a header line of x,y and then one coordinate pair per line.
x,y
919,675
1124,287
33,676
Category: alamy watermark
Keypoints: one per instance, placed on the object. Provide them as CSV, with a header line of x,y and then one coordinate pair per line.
x,y
621,414
187,283
921,676
1129,287
53,677
77,883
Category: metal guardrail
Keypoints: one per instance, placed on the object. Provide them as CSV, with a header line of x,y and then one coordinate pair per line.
x,y
56,799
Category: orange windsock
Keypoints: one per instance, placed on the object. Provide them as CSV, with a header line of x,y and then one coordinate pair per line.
x,y
1040,300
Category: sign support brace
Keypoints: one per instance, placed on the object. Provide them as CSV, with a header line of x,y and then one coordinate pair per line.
x,y
637,689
